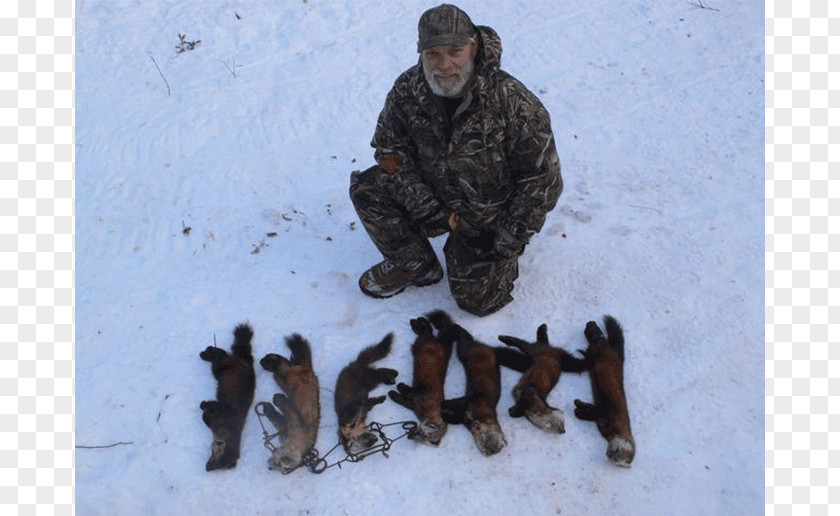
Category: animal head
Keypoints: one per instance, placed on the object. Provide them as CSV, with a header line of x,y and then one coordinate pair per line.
x,y
429,432
358,444
488,436
285,459
530,404
223,455
483,424
224,451
355,437
621,451
550,420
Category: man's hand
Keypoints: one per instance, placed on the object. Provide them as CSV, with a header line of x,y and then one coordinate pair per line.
x,y
443,222
507,249
454,221
489,246
482,243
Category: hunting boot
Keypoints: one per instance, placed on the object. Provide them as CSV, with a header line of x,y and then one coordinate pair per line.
x,y
386,279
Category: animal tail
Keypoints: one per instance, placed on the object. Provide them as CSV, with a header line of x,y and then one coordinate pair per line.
x,y
512,358
454,410
457,333
440,319
242,336
615,335
448,332
376,352
301,352
572,364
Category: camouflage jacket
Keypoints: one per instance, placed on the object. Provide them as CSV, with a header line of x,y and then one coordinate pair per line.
x,y
494,163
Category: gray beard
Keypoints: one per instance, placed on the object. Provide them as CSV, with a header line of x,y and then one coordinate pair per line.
x,y
452,91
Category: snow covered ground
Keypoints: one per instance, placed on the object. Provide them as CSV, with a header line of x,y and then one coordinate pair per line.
x,y
211,189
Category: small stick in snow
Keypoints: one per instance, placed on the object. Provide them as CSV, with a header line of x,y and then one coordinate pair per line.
x,y
645,208
168,89
81,447
231,66
186,45
701,5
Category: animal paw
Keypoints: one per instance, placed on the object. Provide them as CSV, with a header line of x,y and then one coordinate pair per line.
x,y
213,354
388,376
586,411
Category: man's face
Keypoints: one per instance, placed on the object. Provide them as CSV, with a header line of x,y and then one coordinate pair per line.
x,y
448,69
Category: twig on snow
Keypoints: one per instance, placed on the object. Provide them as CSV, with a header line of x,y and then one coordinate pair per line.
x,y
185,45
103,446
232,66
168,89
701,5
161,409
657,210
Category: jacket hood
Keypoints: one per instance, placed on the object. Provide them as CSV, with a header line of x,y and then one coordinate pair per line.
x,y
490,53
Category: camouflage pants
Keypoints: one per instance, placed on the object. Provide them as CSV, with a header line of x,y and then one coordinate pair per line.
x,y
478,285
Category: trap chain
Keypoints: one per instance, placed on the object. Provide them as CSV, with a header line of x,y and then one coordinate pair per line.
x,y
318,464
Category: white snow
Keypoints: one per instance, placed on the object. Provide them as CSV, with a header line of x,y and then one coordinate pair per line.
x,y
658,111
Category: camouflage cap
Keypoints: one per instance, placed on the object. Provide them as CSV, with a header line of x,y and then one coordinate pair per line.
x,y
445,24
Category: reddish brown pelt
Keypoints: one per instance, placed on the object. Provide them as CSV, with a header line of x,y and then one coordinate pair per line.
x,y
535,384
300,409
609,407
477,408
425,396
